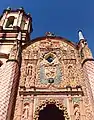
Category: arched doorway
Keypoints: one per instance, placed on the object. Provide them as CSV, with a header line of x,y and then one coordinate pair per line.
x,y
51,112
51,108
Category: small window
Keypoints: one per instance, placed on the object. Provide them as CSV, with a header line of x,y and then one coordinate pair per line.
x,y
10,22
50,59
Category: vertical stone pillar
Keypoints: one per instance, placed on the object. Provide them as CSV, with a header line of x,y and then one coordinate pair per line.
x,y
31,110
19,19
71,108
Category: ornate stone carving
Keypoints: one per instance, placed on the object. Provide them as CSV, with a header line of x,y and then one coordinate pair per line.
x,y
28,76
77,112
50,101
63,55
50,70
25,114
49,66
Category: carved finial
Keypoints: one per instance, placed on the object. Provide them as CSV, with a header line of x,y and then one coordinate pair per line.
x,y
8,8
19,36
28,13
50,34
81,37
21,8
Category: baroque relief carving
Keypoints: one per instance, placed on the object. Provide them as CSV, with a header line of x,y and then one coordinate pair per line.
x,y
76,107
55,63
77,112
25,114
28,76
50,72
50,101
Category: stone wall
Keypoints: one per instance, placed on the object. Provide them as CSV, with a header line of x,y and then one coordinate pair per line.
x,y
8,74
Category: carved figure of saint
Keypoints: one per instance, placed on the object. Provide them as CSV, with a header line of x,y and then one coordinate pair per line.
x,y
29,70
25,112
77,113
29,75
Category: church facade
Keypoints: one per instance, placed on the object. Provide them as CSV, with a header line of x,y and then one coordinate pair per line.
x,y
47,78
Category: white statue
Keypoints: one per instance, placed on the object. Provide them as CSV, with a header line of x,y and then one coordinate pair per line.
x,y
77,112
25,112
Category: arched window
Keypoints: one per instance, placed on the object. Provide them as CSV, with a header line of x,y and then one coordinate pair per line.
x,y
10,22
50,57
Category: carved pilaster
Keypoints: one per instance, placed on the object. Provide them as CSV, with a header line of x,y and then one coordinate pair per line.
x,y
31,109
20,108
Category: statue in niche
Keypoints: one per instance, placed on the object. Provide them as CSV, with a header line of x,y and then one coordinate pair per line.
x,y
29,70
70,72
27,82
77,112
25,114
29,75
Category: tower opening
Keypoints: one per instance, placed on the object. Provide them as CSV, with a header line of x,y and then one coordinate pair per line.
x,y
51,112
10,22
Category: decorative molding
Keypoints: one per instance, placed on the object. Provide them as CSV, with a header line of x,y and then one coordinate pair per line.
x,y
47,102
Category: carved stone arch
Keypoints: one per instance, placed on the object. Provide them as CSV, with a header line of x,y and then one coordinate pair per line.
x,y
59,105
25,112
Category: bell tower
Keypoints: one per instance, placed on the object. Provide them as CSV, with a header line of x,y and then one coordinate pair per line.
x,y
14,25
